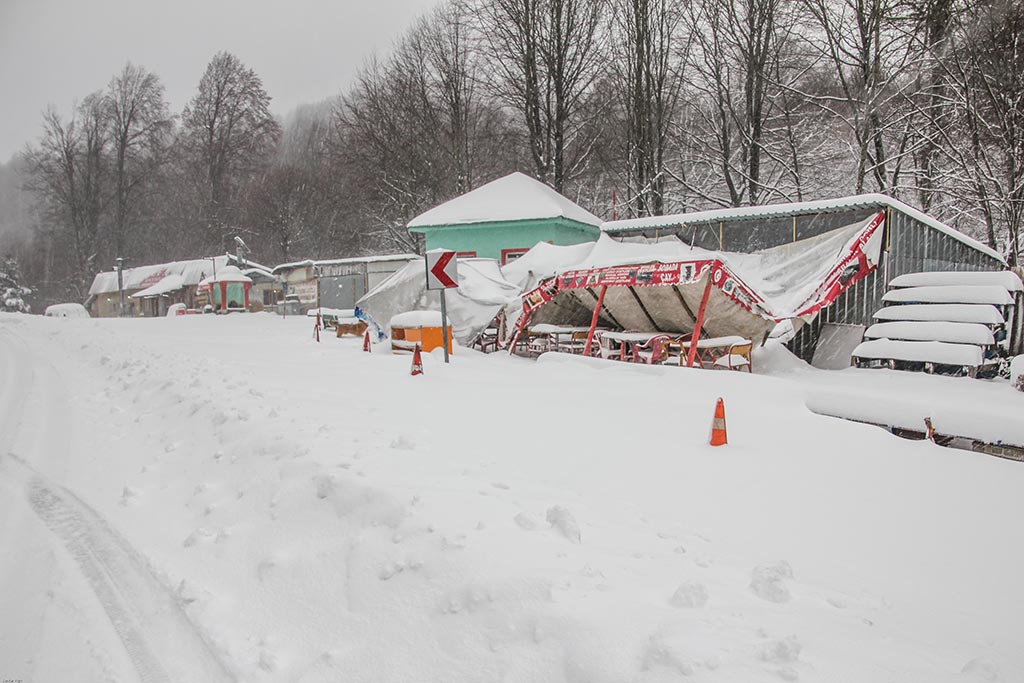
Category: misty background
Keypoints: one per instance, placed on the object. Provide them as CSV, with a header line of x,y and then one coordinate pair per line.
x,y
159,132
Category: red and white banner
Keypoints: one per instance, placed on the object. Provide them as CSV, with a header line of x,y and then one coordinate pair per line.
x,y
862,256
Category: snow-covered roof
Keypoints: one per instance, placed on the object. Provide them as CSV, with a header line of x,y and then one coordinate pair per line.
x,y
768,210
169,283
227,274
141,277
1007,279
380,258
967,294
516,197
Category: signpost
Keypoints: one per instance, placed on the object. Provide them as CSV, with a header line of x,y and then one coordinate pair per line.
x,y
442,274
120,261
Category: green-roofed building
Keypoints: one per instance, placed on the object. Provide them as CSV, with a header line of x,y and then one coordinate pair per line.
x,y
505,218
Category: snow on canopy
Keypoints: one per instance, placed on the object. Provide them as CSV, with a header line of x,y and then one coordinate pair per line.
x,y
141,277
226,274
1006,279
515,197
967,294
543,261
481,294
169,283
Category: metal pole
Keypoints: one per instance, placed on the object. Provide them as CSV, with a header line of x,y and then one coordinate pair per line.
x,y
695,337
593,320
120,286
444,326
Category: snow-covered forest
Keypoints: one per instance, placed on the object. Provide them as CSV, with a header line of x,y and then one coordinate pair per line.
x,y
629,107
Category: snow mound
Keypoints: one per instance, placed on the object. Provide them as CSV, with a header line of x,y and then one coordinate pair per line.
x,y
690,594
768,581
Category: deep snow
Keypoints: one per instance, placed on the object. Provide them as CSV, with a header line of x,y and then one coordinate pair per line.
x,y
268,508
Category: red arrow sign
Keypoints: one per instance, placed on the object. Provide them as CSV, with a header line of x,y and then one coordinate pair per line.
x,y
441,270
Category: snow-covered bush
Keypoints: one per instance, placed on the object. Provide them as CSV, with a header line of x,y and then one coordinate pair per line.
x,y
12,294
1017,373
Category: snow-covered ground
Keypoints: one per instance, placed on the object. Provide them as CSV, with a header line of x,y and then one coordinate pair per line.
x,y
213,498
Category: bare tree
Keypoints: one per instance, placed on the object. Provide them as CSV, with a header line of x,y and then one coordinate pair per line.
x,y
69,172
139,127
649,58
228,131
866,44
744,139
545,56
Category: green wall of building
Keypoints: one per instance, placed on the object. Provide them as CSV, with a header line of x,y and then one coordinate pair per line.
x,y
489,239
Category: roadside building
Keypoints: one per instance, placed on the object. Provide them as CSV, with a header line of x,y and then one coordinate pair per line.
x,y
342,281
504,219
150,290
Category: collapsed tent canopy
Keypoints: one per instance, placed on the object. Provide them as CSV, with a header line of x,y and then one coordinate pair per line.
x,y
668,286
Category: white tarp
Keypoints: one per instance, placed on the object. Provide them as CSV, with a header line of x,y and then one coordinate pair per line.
x,y
481,294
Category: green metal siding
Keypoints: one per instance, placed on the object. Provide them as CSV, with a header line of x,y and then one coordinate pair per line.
x,y
489,239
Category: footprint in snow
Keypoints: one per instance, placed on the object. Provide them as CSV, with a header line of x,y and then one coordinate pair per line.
x,y
980,669
562,521
403,443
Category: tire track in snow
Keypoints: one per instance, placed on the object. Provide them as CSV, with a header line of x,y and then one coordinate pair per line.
x,y
161,642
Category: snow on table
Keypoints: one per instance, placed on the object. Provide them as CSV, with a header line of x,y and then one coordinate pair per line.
x,y
959,313
1006,279
920,352
417,319
967,294
955,333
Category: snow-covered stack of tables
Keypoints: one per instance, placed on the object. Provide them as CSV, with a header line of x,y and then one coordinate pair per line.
x,y
946,322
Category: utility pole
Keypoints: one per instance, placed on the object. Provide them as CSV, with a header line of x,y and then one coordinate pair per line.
x,y
120,260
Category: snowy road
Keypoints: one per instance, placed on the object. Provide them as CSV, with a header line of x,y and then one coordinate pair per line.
x,y
157,637
212,498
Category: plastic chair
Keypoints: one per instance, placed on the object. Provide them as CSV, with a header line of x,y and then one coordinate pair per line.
x,y
736,358
652,351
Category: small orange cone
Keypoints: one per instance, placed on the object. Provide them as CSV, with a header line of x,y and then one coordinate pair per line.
x,y
417,362
718,437
366,342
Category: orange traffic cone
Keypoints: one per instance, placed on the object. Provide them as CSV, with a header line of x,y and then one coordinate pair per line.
x,y
718,437
417,362
366,342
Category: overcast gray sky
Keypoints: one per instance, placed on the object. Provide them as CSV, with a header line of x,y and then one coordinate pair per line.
x,y
58,51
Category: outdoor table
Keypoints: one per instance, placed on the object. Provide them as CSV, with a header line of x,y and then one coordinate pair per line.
x,y
710,349
556,336
629,340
